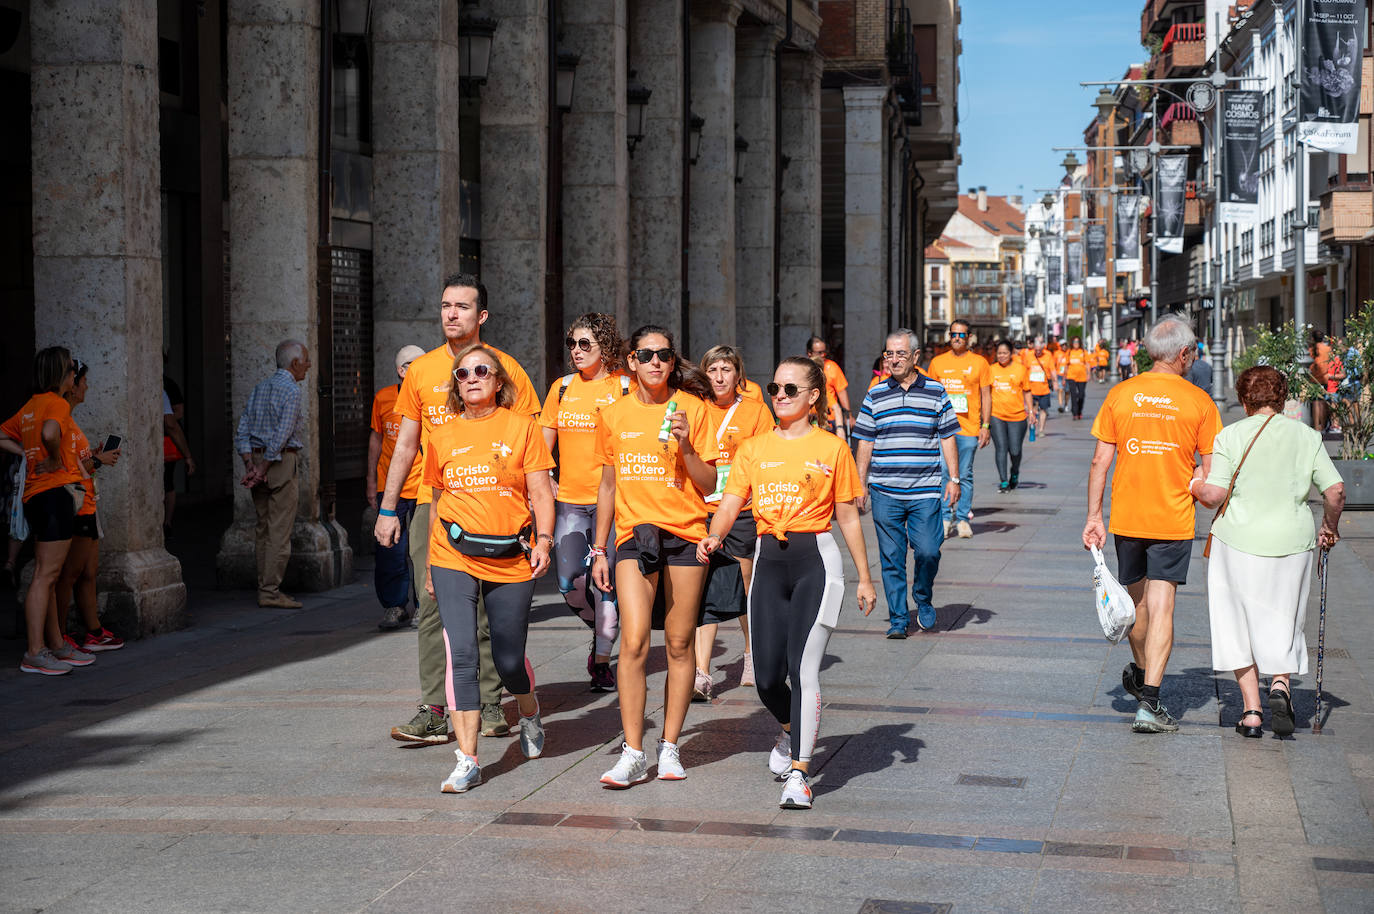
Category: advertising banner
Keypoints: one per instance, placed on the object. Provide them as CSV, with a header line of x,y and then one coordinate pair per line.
x,y
1054,271
1240,135
1095,246
1172,181
1127,233
1329,74
1073,265
1032,286
1016,304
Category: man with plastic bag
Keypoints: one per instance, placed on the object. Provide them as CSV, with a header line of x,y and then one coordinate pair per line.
x,y
1151,425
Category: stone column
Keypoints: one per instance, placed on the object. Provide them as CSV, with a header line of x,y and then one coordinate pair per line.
x,y
97,271
799,276
515,163
274,72
865,217
755,199
415,204
595,164
711,265
655,170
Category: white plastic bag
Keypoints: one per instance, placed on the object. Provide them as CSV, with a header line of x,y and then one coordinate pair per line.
x,y
1115,608
19,525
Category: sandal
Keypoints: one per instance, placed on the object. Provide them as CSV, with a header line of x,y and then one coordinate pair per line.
x,y
1254,732
1281,712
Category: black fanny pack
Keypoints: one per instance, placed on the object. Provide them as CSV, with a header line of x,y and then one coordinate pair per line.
x,y
487,546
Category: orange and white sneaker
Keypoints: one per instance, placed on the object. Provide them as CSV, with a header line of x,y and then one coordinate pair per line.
x,y
796,793
103,640
69,652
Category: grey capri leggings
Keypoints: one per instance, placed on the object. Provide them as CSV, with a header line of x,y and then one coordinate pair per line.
x,y
508,611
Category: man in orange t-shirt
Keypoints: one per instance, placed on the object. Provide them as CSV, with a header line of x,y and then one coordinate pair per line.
x,y
1152,425
422,404
392,576
967,380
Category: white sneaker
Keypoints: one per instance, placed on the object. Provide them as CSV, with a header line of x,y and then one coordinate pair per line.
x,y
780,756
669,765
746,678
949,528
965,530
631,768
532,736
465,775
796,793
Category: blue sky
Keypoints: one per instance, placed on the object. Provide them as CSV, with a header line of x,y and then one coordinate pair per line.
x,y
1020,70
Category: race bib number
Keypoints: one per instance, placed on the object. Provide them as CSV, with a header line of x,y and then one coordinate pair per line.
x,y
959,402
722,475
1037,375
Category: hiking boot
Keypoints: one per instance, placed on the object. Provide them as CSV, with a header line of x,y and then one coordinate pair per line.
x,y
1153,719
427,726
393,618
494,721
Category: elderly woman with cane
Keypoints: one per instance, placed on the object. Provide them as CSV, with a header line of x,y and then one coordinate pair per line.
x,y
1261,561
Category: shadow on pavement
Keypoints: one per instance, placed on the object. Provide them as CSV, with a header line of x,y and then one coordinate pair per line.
x,y
964,614
869,752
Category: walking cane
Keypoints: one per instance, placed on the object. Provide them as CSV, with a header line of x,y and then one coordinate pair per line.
x,y
1321,641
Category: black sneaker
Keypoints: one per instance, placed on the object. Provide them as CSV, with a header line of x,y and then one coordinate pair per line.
x,y
1153,718
1133,679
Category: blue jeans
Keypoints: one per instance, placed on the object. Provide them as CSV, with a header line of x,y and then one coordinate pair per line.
x,y
967,446
902,525
391,573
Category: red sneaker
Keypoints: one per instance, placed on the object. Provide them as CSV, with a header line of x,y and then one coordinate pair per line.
x,y
103,640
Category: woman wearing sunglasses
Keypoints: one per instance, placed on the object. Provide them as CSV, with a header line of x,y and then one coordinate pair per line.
x,y
798,476
656,448
571,413
735,418
487,468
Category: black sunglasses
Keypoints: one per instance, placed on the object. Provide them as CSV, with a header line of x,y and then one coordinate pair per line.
x,y
584,344
644,356
791,390
481,371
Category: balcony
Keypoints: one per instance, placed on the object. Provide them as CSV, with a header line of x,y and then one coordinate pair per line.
x,y
1183,52
1179,126
1154,18
903,62
1347,214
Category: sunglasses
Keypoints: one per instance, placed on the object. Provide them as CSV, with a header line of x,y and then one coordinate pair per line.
x,y
962,336
481,372
790,390
644,356
585,344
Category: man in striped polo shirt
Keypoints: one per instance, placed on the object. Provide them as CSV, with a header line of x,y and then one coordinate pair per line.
x,y
905,427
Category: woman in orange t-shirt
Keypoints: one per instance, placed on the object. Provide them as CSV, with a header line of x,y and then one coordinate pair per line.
x,y
487,469
78,572
1061,364
38,432
1076,372
1011,408
798,476
656,448
735,419
571,413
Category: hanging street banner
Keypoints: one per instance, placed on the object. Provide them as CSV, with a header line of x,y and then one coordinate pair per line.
x,y
1127,233
1054,271
1016,305
1240,136
1073,265
1329,74
1172,180
1095,245
1032,286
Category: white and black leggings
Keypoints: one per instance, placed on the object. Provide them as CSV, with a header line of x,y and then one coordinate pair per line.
x,y
794,604
508,613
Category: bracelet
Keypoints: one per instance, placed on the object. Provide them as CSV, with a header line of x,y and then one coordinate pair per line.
x,y
713,536
545,536
599,551
386,512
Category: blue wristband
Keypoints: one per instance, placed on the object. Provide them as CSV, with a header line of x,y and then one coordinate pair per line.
x,y
386,512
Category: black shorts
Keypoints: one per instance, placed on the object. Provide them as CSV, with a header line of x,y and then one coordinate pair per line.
x,y
742,536
1158,560
169,475
50,515
86,525
672,550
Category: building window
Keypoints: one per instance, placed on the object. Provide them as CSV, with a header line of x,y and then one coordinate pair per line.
x,y
925,40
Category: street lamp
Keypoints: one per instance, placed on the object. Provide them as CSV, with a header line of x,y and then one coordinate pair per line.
x,y
351,17
741,147
697,123
1070,164
636,103
1105,103
475,30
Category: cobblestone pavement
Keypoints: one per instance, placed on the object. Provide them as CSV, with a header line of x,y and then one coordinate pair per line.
x,y
243,764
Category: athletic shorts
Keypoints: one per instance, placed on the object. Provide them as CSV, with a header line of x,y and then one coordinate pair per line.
x,y
672,550
1042,401
50,515
169,475
1158,560
740,539
85,525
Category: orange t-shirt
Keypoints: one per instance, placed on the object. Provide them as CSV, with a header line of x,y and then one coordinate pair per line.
x,y
386,421
750,418
26,427
1077,360
1009,386
1061,361
651,481
835,381
795,483
481,464
1039,379
963,377
575,418
76,442
1156,420
424,395
1104,358
753,391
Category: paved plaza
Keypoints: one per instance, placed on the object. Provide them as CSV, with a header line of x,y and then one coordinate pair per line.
x,y
244,765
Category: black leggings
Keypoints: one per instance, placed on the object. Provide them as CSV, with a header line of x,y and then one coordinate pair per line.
x,y
1006,442
508,610
794,604
1077,389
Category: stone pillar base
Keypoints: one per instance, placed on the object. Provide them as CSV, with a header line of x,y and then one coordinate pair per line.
x,y
321,558
141,592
